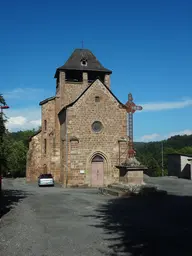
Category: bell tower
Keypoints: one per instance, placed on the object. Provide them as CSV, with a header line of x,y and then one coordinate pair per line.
x,y
80,70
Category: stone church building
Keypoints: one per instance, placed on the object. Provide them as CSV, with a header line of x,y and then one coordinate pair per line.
x,y
83,134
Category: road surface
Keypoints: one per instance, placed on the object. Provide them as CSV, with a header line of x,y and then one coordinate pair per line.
x,y
54,221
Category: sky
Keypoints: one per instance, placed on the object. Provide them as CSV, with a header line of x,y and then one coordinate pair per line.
x,y
147,44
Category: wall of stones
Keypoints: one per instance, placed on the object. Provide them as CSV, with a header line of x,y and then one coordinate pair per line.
x,y
80,118
51,134
70,91
34,165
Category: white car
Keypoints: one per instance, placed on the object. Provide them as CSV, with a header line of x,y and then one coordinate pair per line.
x,y
45,180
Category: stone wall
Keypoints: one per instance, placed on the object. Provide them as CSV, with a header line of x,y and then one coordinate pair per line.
x,y
44,148
34,165
70,91
83,143
51,133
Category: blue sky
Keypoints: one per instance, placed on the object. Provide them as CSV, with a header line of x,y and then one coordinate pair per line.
x,y
147,45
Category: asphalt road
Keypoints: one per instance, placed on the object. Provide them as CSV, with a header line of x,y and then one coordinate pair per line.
x,y
54,221
51,221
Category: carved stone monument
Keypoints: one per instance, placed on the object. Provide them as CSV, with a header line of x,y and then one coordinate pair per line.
x,y
131,171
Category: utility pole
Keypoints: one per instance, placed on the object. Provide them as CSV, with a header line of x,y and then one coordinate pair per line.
x,y
162,158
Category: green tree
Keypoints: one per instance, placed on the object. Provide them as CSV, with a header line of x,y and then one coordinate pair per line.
x,y
150,154
2,119
16,158
2,133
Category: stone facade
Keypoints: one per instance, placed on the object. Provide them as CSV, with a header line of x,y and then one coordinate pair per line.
x,y
84,143
67,143
34,165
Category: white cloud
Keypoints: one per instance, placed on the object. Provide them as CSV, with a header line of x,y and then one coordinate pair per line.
x,y
36,122
17,120
23,119
184,132
157,137
150,137
25,93
18,123
166,105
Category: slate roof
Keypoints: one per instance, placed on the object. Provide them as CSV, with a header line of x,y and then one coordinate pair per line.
x,y
74,62
30,138
72,103
46,100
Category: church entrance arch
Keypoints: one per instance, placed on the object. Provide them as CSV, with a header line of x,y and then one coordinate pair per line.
x,y
97,171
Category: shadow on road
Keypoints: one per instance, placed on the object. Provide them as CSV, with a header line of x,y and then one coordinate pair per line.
x,y
147,225
8,198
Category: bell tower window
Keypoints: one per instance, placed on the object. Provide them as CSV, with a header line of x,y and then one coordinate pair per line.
x,y
84,62
74,76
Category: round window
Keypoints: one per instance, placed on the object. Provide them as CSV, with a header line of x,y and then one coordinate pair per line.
x,y
97,126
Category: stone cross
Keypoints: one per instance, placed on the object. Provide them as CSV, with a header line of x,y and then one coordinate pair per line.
x,y
131,108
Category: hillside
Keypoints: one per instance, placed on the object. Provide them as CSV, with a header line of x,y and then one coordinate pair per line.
x,y
150,153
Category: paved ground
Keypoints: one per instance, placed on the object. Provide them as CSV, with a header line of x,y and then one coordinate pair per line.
x,y
173,185
56,221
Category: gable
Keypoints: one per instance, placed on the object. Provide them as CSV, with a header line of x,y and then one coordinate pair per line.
x,y
97,82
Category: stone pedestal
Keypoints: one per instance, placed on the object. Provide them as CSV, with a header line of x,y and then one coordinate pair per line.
x,y
131,175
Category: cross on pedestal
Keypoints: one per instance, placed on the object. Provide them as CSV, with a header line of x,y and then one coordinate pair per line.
x,y
131,108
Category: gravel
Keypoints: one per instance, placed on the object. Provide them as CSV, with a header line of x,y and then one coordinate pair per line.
x,y
53,221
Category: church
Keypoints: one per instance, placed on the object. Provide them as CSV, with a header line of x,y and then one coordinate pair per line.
x,y
83,135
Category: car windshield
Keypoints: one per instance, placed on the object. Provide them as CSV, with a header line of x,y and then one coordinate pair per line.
x,y
45,176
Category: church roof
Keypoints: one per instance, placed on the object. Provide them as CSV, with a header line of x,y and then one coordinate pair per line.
x,y
72,103
37,132
75,62
46,100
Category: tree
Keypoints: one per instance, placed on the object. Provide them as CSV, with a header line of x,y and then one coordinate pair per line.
x,y
16,158
2,100
2,133
16,147
2,120
150,154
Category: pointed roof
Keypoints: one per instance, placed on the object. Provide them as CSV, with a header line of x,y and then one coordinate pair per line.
x,y
74,62
72,103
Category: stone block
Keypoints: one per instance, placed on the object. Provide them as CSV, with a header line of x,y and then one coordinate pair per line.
x,y
131,175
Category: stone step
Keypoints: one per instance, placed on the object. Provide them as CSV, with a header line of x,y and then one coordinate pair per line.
x,y
111,191
123,190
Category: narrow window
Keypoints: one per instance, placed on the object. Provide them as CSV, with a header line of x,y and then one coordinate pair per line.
x,y
45,146
97,98
45,125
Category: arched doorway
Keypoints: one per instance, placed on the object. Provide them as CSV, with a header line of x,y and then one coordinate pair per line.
x,y
97,171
